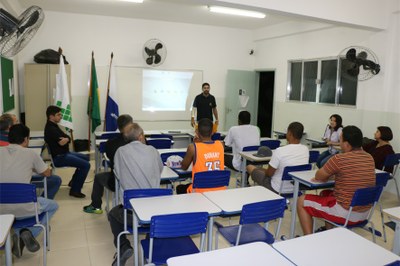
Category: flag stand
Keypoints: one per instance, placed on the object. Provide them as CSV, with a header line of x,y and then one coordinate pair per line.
x,y
108,92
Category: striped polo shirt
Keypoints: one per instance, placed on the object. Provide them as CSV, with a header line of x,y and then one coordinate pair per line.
x,y
352,170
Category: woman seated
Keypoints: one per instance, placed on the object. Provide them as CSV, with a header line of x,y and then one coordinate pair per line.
x,y
332,138
380,148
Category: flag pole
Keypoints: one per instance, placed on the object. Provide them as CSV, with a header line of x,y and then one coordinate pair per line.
x,y
90,98
108,91
71,131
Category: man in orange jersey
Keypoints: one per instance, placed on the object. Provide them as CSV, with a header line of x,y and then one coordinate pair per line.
x,y
204,153
353,169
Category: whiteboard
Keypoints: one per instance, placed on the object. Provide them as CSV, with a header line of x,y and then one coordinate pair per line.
x,y
131,93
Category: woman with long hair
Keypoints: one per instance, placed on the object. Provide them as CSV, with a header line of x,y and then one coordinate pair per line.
x,y
332,138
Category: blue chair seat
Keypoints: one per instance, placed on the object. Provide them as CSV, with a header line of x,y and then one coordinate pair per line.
x,y
165,248
250,233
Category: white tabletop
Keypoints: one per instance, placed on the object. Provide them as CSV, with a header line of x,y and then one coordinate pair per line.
x,y
258,253
334,247
36,134
248,155
305,178
393,213
6,221
36,143
161,151
168,174
231,201
145,208
319,141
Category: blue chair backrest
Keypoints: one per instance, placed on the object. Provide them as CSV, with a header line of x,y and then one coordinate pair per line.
x,y
102,147
216,136
366,196
382,179
263,211
251,148
392,160
11,193
211,179
176,225
161,136
160,143
288,169
313,156
271,143
144,193
164,156
109,135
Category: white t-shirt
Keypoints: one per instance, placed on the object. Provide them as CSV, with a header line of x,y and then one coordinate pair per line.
x,y
239,137
289,155
17,165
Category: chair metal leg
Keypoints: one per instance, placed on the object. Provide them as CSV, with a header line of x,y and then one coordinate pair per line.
x,y
383,223
107,200
397,188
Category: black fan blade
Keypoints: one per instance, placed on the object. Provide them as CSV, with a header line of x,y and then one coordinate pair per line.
x,y
351,54
34,17
149,60
157,59
158,46
353,71
8,23
149,52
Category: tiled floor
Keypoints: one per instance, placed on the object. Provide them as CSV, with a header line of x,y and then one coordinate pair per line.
x,y
82,239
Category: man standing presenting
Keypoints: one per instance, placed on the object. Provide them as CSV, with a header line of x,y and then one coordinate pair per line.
x,y
204,106
353,169
58,143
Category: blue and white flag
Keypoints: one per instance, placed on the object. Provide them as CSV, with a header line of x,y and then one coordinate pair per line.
x,y
112,111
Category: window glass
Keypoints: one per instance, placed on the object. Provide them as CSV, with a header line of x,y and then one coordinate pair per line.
x,y
327,92
310,76
295,81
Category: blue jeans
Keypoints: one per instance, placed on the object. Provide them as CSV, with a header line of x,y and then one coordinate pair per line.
x,y
78,160
323,158
46,205
53,184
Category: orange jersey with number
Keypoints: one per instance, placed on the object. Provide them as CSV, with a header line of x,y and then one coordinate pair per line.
x,y
208,156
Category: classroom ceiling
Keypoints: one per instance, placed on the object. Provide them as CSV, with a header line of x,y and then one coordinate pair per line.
x,y
183,11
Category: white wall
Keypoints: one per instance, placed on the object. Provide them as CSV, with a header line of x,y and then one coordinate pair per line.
x,y
211,49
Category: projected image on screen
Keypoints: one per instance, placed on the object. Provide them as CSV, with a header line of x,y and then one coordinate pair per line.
x,y
165,90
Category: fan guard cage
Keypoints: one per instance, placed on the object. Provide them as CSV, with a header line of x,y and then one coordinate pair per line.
x,y
162,52
345,63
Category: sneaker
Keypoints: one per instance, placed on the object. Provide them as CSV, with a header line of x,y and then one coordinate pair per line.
x,y
91,209
29,240
77,194
125,255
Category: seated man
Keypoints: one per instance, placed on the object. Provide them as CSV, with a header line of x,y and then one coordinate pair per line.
x,y
137,165
53,181
239,137
58,143
291,154
352,169
17,163
204,153
107,179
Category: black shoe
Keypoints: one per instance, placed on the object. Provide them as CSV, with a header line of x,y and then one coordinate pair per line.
x,y
29,240
321,229
17,246
125,255
70,183
77,194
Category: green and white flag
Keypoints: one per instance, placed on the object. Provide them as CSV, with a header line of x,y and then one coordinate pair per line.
x,y
62,96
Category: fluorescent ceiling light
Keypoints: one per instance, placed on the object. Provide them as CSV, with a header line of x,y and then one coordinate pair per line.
x,y
133,1
234,11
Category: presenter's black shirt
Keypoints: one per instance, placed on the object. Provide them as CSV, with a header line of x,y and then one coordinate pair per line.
x,y
204,106
52,135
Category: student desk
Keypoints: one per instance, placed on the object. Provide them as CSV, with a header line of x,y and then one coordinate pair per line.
x,y
248,156
231,201
6,221
257,253
394,215
145,208
338,246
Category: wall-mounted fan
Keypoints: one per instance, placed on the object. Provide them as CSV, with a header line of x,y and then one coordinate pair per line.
x,y
15,33
154,52
359,63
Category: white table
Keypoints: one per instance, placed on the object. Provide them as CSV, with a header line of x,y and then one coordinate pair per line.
x,y
6,221
394,215
249,156
36,134
338,246
231,201
258,253
145,208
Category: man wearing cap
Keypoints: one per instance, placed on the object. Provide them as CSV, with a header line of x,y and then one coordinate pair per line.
x,y
291,154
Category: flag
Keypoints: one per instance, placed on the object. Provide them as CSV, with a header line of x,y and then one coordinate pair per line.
x,y
94,103
62,96
112,111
